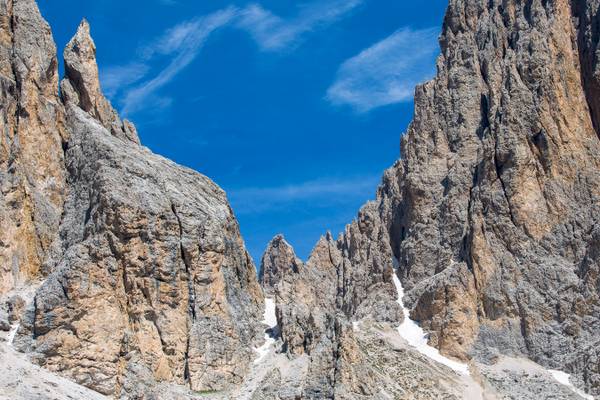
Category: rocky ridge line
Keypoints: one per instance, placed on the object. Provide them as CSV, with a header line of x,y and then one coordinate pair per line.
x,y
491,212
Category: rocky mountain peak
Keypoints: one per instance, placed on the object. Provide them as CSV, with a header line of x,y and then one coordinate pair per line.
x,y
323,252
278,260
81,68
81,86
127,273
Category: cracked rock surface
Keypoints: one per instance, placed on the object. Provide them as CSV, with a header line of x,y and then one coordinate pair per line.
x,y
32,122
153,278
491,215
127,273
145,275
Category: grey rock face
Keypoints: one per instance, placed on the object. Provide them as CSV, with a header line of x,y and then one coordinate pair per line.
x,y
492,211
499,191
278,261
316,302
146,277
153,272
588,41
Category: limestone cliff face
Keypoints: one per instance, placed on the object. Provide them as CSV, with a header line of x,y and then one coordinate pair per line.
x,y
491,214
32,121
490,219
146,278
153,281
497,233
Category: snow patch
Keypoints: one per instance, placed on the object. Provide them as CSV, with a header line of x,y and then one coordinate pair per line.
x,y
11,335
269,319
416,336
564,379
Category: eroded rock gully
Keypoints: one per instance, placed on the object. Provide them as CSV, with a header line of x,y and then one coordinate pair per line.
x,y
127,273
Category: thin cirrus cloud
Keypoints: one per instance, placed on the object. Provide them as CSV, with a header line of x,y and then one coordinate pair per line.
x,y
387,72
184,41
116,77
327,192
273,33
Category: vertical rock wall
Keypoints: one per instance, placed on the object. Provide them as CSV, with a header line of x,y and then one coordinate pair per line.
x,y
146,278
491,214
32,127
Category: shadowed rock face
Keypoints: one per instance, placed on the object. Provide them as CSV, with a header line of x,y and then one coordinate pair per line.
x,y
491,215
146,276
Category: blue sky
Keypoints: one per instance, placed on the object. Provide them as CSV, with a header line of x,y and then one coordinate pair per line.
x,y
294,108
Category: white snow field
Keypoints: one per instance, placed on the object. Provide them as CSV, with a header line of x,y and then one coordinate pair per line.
x,y
11,335
417,338
564,378
270,319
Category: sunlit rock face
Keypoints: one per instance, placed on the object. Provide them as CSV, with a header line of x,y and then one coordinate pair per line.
x,y
145,275
139,276
278,261
32,122
82,85
497,235
492,210
153,273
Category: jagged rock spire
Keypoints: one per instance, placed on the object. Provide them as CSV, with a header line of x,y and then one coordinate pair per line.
x,y
279,258
81,86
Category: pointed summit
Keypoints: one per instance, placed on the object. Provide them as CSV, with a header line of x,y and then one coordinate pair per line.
x,y
81,85
81,69
278,260
325,254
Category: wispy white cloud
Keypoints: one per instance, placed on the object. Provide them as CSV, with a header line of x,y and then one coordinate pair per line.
x,y
387,72
183,42
273,33
326,192
115,78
